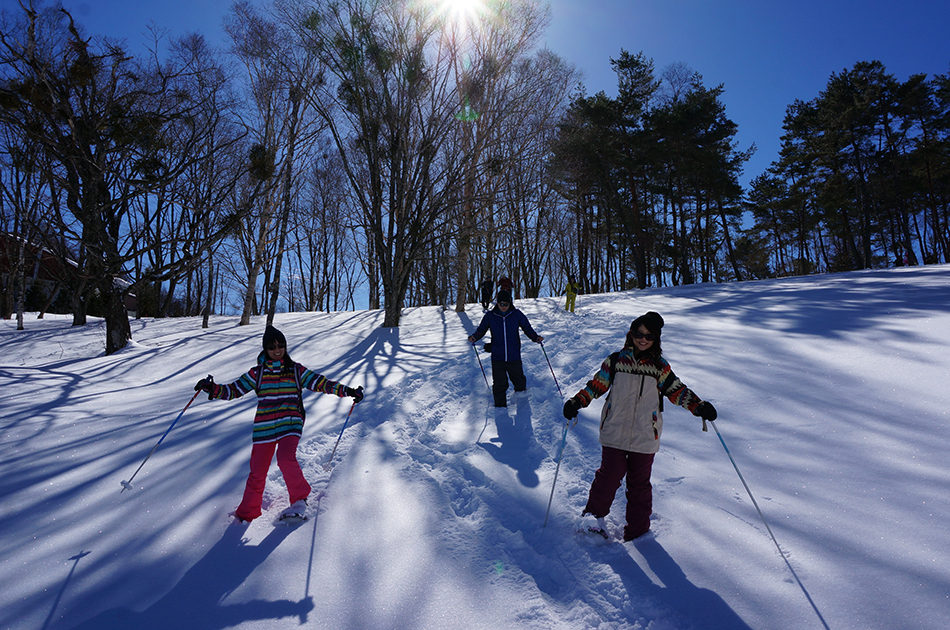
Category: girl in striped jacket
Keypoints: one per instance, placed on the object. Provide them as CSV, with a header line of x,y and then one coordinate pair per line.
x,y
278,424
637,377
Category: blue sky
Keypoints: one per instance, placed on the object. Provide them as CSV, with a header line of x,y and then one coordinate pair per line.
x,y
766,54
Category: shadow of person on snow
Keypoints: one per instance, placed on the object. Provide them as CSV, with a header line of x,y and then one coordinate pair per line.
x,y
688,605
515,445
197,600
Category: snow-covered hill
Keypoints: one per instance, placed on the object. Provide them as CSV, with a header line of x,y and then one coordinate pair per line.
x,y
832,394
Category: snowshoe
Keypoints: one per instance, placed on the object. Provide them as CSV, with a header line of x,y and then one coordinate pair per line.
x,y
593,527
296,513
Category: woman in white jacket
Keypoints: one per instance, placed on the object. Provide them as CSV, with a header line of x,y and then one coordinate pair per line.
x,y
637,378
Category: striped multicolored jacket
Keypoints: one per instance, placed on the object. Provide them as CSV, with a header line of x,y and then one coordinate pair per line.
x,y
279,405
632,418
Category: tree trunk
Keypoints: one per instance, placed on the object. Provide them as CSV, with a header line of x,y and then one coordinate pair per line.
x,y
209,296
372,273
395,295
250,295
730,252
286,202
118,330
467,228
639,246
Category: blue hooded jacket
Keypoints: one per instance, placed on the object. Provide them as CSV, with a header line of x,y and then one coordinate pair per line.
x,y
505,338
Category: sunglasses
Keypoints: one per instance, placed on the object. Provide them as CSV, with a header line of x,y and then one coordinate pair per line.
x,y
648,336
504,304
276,347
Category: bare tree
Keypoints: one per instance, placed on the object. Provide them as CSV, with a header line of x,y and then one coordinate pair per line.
x,y
495,96
22,195
281,72
325,255
105,121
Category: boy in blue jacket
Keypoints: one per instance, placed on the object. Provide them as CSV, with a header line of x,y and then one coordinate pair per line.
x,y
504,321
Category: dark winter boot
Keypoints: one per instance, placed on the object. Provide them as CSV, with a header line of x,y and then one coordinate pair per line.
x,y
630,533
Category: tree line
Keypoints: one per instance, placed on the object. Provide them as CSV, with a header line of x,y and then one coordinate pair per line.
x,y
398,152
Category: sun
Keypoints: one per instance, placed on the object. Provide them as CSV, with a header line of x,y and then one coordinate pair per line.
x,y
463,12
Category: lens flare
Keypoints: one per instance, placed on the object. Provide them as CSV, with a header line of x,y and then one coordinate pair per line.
x,y
466,12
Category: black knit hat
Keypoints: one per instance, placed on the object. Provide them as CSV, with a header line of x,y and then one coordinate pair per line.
x,y
652,320
271,335
503,296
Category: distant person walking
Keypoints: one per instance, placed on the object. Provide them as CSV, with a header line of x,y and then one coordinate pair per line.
x,y
571,291
505,284
278,424
487,287
504,321
631,422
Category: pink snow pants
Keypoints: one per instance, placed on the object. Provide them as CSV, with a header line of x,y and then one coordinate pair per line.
x,y
261,456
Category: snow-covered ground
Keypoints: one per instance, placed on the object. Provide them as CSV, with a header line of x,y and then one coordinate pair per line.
x,y
833,400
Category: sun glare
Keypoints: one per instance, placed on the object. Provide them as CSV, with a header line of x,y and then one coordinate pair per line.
x,y
464,12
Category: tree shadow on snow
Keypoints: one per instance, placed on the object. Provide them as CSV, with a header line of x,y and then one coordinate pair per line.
x,y
198,600
827,305
515,445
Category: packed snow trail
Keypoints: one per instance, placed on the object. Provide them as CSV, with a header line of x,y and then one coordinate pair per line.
x,y
831,396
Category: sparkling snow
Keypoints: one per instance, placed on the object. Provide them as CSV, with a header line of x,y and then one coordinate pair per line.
x,y
833,400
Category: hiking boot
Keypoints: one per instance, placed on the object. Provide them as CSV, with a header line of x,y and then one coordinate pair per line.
x,y
632,534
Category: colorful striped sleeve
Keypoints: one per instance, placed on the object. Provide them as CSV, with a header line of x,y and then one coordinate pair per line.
x,y
238,388
597,386
674,389
319,383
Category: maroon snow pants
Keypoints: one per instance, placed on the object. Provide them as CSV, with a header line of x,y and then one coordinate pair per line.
x,y
614,465
261,456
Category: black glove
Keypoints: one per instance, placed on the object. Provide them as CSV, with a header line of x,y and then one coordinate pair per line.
x,y
706,411
570,408
206,385
357,393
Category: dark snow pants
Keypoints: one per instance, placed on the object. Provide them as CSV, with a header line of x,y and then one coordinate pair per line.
x,y
500,372
614,465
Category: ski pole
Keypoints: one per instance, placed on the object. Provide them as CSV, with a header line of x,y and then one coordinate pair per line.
x,y
333,452
478,358
552,370
772,535
557,469
127,485
560,450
